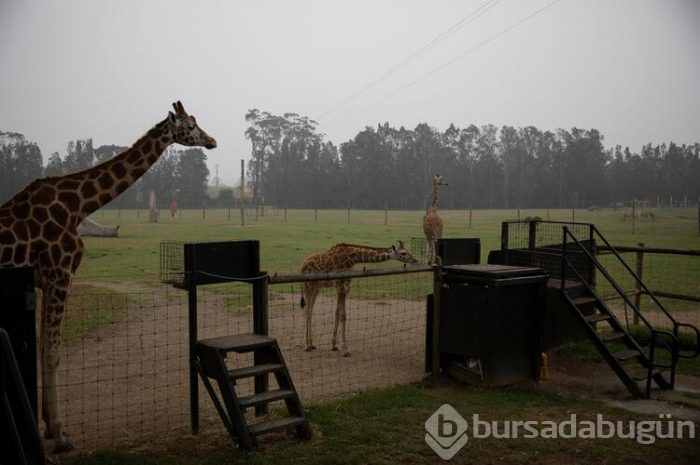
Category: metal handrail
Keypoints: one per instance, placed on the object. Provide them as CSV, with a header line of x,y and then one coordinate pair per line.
x,y
697,339
614,284
634,275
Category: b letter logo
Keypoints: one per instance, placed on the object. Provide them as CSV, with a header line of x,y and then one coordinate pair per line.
x,y
446,432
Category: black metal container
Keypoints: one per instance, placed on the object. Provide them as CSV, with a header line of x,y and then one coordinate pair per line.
x,y
490,322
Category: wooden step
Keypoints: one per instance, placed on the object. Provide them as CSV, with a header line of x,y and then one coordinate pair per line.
x,y
265,398
254,370
607,337
642,375
595,318
238,342
584,300
275,424
626,354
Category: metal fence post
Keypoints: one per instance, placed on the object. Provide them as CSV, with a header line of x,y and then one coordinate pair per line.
x,y
638,288
437,302
194,382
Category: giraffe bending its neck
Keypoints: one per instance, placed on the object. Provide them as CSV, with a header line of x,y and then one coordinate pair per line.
x,y
341,257
38,227
432,224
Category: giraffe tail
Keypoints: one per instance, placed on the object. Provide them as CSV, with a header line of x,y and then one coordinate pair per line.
x,y
302,302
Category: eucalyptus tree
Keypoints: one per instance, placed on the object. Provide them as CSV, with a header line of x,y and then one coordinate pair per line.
x,y
20,163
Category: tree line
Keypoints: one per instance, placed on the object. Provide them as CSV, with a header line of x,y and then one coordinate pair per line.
x,y
292,165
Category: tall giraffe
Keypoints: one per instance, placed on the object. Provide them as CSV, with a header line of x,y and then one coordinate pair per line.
x,y
432,224
38,227
341,257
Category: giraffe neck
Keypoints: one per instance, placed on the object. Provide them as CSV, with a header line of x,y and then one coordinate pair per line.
x,y
100,184
354,254
434,201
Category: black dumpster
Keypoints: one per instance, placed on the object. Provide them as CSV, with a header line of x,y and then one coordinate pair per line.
x,y
489,322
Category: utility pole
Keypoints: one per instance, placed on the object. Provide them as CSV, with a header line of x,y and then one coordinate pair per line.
x,y
242,192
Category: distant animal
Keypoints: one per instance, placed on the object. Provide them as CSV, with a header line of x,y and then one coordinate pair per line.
x,y
432,223
649,215
39,228
341,257
173,207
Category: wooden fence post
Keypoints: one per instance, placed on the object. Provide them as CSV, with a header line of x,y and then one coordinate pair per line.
x,y
152,212
640,274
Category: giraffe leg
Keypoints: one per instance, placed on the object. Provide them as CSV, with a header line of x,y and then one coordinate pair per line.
x,y
310,293
55,293
343,292
336,321
339,286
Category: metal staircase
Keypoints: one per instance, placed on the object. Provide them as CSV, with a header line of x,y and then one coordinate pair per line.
x,y
568,253
635,368
211,364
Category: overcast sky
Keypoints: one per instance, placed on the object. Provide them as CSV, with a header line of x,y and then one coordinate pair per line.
x,y
111,69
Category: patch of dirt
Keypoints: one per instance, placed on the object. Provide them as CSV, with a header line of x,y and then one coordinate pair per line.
x,y
570,375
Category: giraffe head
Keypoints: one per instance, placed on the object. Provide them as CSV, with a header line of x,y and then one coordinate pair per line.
x,y
401,254
439,181
186,131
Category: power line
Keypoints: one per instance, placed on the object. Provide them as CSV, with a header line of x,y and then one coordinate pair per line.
x,y
457,58
423,50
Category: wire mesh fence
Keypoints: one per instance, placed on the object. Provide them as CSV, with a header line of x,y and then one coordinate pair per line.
x,y
123,375
662,273
124,361
385,335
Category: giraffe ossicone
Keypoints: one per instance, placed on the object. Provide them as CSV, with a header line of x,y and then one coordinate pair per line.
x,y
38,227
342,257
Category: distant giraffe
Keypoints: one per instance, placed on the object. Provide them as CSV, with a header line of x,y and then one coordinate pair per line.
x,y
432,224
173,207
341,257
38,227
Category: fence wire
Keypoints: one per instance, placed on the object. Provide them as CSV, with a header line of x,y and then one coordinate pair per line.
x,y
385,335
123,375
666,273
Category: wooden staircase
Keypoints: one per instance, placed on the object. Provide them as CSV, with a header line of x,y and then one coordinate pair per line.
x,y
232,408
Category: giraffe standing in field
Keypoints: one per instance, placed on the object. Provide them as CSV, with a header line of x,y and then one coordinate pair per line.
x,y
173,208
432,224
38,227
341,257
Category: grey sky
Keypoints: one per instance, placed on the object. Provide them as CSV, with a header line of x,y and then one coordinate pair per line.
x,y
110,69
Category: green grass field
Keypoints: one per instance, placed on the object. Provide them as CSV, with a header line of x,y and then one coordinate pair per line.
x,y
285,244
132,260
